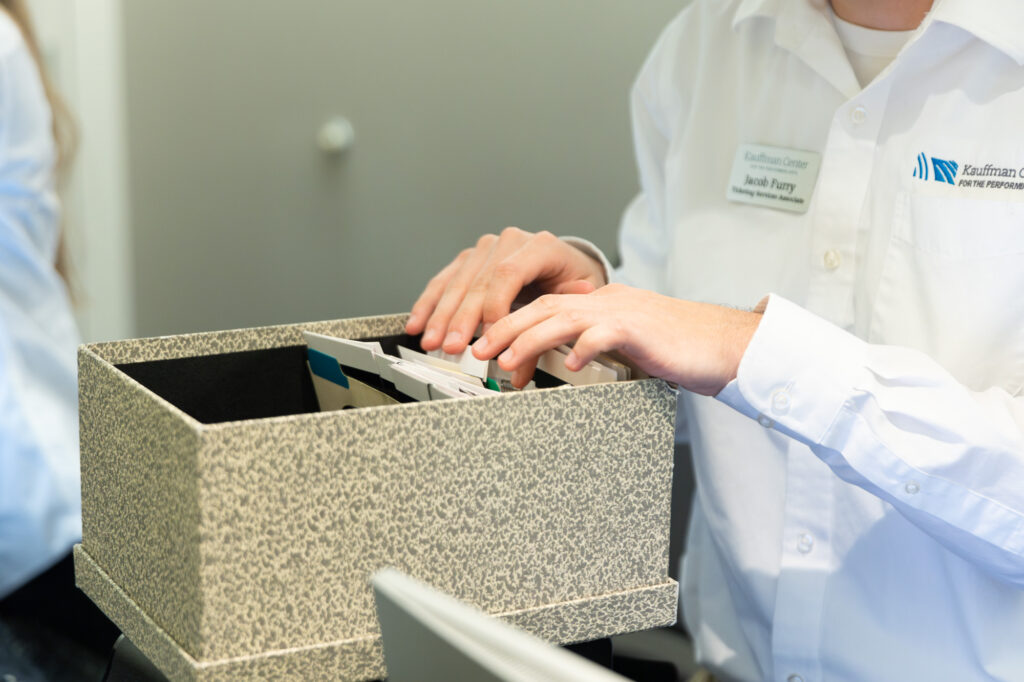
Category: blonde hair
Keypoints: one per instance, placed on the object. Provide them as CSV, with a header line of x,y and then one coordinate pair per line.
x,y
65,133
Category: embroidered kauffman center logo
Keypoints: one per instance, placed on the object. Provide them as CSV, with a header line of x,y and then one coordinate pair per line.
x,y
942,170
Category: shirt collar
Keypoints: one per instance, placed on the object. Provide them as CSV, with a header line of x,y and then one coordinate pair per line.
x,y
754,8
803,11
804,28
1000,23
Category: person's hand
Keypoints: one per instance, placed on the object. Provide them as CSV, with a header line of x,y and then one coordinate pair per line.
x,y
695,345
482,282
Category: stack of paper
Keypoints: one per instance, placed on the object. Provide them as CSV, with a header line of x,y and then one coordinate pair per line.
x,y
427,376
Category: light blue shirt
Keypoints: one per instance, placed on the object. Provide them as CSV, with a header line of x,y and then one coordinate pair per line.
x,y
40,503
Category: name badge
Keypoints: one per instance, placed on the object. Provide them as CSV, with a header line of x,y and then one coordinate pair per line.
x,y
773,177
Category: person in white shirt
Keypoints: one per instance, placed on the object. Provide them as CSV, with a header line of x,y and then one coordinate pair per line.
x,y
855,172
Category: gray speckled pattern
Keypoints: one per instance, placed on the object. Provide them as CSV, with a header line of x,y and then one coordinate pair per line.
x,y
253,541
256,338
362,659
140,494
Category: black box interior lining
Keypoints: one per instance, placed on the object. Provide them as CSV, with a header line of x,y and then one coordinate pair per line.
x,y
257,384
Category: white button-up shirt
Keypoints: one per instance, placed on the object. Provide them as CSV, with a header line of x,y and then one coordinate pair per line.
x,y
40,507
860,503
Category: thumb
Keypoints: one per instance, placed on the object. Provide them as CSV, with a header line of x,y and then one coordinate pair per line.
x,y
579,286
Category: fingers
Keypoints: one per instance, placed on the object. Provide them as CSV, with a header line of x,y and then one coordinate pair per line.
x,y
593,321
503,332
425,304
482,283
540,338
547,323
579,286
540,257
592,342
464,322
458,284
467,317
524,373
592,334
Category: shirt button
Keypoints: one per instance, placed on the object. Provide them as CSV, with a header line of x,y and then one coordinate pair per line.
x,y
912,488
805,544
765,421
780,402
794,678
832,260
858,115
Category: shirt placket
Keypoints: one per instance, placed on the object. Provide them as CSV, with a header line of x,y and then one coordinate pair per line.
x,y
806,561
808,529
843,185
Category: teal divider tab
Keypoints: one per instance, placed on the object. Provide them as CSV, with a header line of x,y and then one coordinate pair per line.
x,y
326,367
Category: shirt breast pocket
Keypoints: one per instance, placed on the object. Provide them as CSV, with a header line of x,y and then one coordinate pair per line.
x,y
952,285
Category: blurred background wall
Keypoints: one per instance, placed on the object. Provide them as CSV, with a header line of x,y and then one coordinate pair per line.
x,y
201,199
82,43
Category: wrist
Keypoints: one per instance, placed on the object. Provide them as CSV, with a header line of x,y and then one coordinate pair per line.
x,y
744,326
599,275
596,262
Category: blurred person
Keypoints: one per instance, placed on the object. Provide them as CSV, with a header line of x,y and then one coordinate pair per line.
x,y
40,499
858,437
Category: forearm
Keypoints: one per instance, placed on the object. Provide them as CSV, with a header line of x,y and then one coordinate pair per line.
x,y
895,423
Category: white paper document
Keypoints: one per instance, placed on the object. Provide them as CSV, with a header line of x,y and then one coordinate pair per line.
x,y
553,362
439,376
465,361
359,354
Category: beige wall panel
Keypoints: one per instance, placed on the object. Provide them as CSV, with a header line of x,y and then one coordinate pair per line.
x,y
470,115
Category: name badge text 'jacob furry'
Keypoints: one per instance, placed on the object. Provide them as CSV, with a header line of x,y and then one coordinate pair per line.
x,y
773,177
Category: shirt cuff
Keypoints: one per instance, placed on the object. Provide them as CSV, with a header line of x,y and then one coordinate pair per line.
x,y
589,249
797,372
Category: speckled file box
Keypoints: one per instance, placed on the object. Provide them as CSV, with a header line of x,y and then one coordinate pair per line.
x,y
242,549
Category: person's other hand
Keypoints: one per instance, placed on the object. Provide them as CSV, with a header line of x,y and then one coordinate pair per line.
x,y
695,345
482,282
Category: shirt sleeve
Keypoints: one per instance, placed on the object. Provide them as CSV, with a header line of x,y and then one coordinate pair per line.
x,y
895,423
659,102
643,238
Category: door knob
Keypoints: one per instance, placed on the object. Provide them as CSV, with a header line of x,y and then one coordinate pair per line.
x,y
336,135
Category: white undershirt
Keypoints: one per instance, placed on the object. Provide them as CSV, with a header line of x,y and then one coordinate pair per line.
x,y
869,50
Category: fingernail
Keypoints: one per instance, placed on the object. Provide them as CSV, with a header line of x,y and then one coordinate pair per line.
x,y
430,335
481,345
453,337
572,361
508,356
413,319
